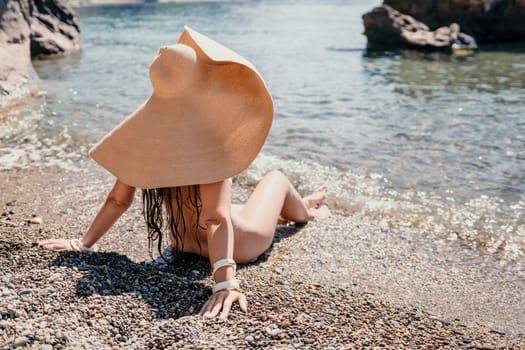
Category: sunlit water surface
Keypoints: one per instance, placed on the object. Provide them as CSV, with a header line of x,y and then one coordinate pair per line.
x,y
437,144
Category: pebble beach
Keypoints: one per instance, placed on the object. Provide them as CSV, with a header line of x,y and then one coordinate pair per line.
x,y
338,283
423,158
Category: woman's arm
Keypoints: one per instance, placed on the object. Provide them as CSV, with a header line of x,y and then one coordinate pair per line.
x,y
117,202
215,216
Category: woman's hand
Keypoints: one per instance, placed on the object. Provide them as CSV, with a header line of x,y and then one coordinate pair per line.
x,y
75,245
223,300
57,244
117,202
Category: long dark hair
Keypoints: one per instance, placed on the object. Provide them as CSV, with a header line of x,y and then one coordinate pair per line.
x,y
158,203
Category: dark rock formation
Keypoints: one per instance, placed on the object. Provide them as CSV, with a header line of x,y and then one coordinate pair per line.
x,y
32,28
81,3
54,28
387,28
489,21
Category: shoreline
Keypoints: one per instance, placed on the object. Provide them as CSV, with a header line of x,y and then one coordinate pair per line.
x,y
358,286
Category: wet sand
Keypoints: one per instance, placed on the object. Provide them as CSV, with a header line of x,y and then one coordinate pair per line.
x,y
343,282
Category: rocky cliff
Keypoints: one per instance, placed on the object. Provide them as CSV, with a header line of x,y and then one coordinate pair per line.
x,y
29,29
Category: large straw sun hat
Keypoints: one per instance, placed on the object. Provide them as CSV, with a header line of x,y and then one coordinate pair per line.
x,y
206,120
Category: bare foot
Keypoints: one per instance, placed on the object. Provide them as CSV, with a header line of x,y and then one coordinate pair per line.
x,y
320,213
313,203
314,199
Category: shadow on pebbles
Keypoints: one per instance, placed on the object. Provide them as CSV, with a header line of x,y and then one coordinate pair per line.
x,y
111,300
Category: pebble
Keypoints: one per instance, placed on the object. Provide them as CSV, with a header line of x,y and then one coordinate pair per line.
x,y
498,332
275,333
250,339
27,333
10,311
20,341
55,277
144,306
37,220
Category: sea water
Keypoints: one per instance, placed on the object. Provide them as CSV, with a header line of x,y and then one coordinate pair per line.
x,y
432,143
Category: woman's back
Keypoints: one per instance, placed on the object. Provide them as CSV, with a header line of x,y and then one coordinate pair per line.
x,y
185,210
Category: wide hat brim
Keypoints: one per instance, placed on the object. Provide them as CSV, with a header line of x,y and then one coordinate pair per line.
x,y
204,123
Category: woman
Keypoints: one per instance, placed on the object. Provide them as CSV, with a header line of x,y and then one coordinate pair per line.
x,y
208,117
242,232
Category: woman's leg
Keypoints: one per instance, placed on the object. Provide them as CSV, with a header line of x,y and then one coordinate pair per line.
x,y
273,198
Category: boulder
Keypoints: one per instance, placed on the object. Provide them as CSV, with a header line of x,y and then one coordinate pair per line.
x,y
32,28
387,28
489,21
17,76
54,28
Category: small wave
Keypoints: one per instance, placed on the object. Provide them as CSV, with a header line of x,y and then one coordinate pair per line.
x,y
34,155
30,140
488,223
346,49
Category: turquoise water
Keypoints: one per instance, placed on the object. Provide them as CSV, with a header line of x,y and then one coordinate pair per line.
x,y
437,144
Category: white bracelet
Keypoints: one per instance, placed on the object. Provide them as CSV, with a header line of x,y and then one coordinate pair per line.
x,y
77,245
234,284
224,262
